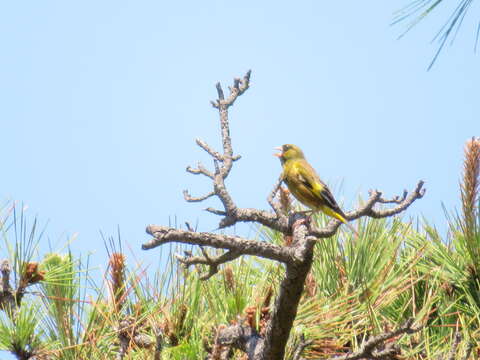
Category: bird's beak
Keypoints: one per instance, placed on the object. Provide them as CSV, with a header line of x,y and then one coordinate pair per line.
x,y
280,154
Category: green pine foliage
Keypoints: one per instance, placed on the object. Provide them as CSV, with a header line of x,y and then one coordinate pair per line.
x,y
359,286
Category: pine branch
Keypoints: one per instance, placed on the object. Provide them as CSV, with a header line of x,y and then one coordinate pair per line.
x,y
297,256
375,348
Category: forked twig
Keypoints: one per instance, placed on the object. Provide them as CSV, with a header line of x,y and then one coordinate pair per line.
x,y
206,259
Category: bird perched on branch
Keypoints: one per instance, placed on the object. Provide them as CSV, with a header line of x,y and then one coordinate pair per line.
x,y
305,185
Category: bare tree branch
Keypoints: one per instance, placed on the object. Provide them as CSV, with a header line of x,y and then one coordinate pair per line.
x,y
215,154
368,210
393,200
302,345
209,150
5,270
216,211
219,350
416,194
281,224
200,170
263,217
212,262
227,158
240,86
372,348
291,288
243,338
7,296
124,334
297,256
163,234
128,335
190,198
275,206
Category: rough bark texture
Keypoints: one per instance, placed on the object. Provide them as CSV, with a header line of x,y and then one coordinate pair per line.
x,y
286,304
7,294
296,257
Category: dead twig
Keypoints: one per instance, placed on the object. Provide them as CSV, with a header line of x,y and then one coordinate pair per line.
x,y
375,348
212,262
302,345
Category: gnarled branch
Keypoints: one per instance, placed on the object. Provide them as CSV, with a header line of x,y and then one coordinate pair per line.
x,y
375,348
163,234
297,256
206,259
190,198
227,158
200,170
394,200
302,345
368,210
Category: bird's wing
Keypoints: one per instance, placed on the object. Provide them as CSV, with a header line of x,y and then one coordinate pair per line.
x,y
310,179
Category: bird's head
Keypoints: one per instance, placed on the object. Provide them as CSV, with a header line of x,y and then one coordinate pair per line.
x,y
289,152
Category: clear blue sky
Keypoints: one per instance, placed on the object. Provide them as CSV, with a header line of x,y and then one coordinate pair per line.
x,y
101,102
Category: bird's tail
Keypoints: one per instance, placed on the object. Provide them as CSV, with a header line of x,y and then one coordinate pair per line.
x,y
339,217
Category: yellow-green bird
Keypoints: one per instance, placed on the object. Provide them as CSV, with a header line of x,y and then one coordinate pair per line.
x,y
304,183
